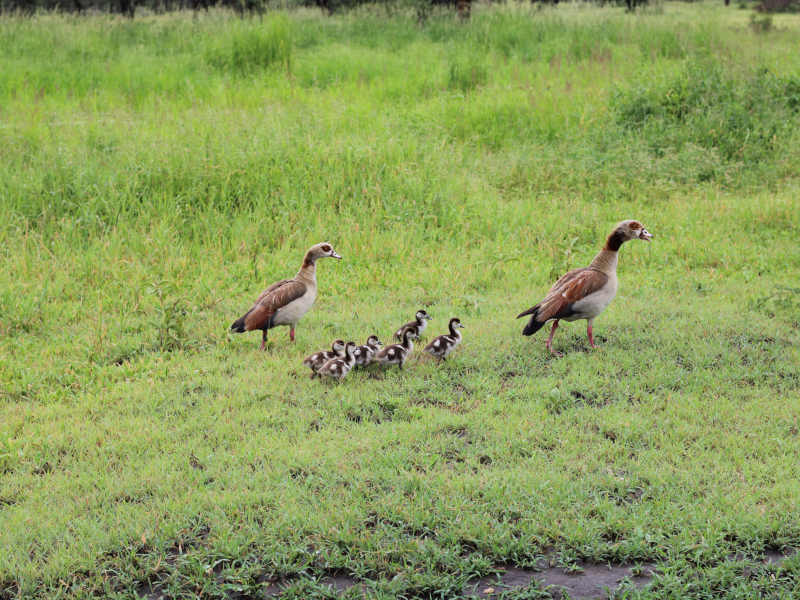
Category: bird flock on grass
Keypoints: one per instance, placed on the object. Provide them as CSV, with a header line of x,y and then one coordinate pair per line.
x,y
337,362
581,294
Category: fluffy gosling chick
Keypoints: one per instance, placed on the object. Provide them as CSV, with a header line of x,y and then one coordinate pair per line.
x,y
316,360
443,345
396,354
338,368
366,353
419,324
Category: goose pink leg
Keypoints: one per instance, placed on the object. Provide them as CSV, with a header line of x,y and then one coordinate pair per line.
x,y
291,332
589,333
263,339
549,343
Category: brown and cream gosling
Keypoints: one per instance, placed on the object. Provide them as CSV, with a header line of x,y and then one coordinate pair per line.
x,y
396,354
584,293
285,302
316,360
338,368
366,353
418,325
443,345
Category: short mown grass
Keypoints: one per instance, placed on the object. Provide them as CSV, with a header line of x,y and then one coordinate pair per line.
x,y
156,174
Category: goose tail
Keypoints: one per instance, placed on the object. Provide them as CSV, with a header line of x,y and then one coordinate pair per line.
x,y
533,325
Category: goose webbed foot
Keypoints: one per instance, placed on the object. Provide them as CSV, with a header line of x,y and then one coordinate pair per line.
x,y
549,343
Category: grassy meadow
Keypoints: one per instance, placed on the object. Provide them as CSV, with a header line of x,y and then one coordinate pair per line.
x,y
156,174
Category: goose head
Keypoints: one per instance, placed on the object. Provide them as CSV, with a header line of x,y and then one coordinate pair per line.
x,y
455,323
348,349
632,230
422,316
626,231
374,341
338,347
321,250
409,334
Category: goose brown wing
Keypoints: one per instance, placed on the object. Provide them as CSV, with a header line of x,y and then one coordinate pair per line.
x,y
271,300
272,288
573,286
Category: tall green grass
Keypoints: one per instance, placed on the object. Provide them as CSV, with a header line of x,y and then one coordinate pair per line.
x,y
249,50
543,81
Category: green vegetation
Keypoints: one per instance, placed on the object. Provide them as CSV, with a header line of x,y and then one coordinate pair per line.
x,y
156,174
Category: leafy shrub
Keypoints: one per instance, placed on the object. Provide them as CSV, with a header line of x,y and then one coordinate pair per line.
x,y
169,318
250,50
760,24
743,119
771,6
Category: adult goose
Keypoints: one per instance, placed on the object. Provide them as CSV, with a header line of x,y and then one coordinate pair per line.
x,y
285,302
584,293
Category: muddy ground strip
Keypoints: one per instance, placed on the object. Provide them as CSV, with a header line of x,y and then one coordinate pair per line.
x,y
582,581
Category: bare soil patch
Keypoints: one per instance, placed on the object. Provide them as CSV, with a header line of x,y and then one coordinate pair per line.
x,y
589,582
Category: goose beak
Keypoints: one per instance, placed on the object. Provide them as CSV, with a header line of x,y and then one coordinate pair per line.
x,y
645,235
335,255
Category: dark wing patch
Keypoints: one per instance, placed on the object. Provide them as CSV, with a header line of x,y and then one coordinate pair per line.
x,y
561,281
273,298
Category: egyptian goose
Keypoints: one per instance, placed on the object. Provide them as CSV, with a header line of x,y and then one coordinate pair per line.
x,y
443,345
285,302
584,293
364,354
396,354
338,368
420,323
316,360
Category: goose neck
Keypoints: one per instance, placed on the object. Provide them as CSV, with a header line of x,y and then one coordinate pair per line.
x,y
605,261
308,272
453,331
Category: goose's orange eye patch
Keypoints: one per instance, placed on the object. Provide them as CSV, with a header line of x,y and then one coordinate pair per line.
x,y
326,248
636,225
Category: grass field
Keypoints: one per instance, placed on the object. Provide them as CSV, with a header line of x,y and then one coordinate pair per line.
x,y
157,174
